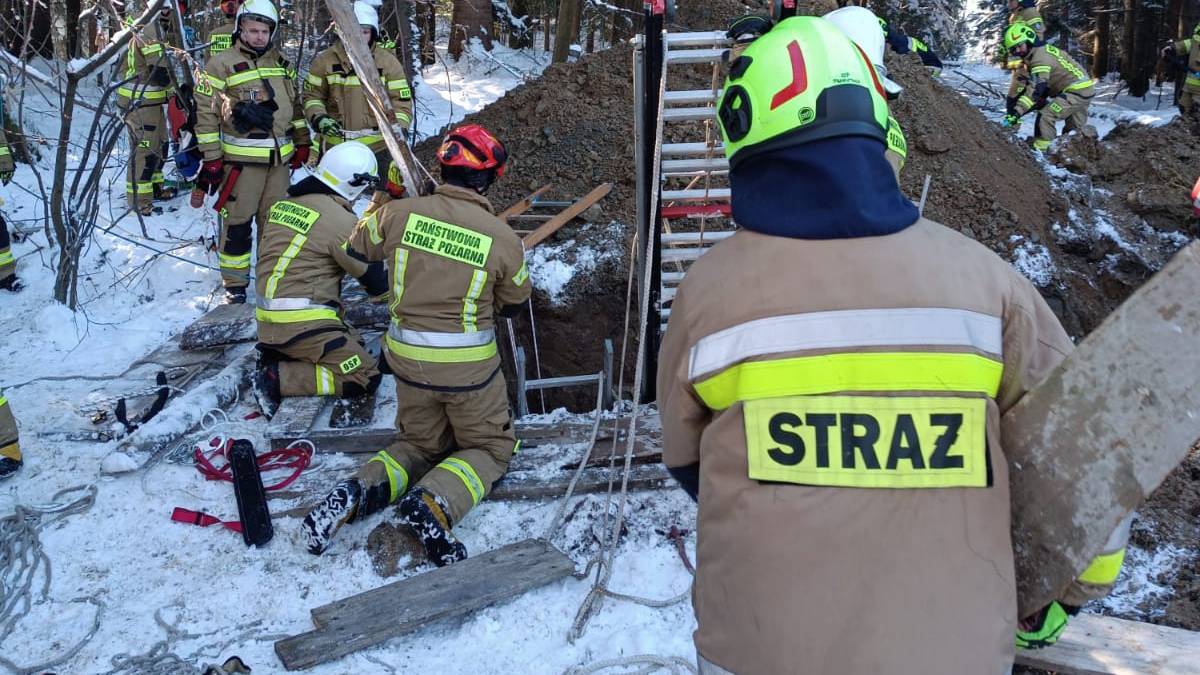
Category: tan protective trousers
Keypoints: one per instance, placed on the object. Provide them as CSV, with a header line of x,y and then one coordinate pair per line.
x,y
1067,106
8,262
147,137
1187,100
453,444
8,432
257,189
334,363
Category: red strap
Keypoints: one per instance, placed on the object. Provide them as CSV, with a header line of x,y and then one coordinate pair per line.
x,y
189,517
296,459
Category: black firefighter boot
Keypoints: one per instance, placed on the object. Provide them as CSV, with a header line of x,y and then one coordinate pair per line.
x,y
346,503
235,295
266,387
424,514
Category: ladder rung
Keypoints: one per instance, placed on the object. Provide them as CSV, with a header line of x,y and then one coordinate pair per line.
x,y
690,97
696,211
695,237
698,164
689,114
713,195
698,39
672,277
683,254
681,149
667,294
662,328
695,55
665,313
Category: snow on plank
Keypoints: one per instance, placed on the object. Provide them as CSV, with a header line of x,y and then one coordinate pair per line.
x,y
373,617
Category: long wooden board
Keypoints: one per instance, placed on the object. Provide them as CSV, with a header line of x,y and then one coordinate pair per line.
x,y
1103,645
380,614
1099,435
554,224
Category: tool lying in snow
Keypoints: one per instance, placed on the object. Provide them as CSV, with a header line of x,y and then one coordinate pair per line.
x,y
251,497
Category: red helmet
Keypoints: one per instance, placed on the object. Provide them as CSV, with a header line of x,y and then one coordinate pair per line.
x,y
473,147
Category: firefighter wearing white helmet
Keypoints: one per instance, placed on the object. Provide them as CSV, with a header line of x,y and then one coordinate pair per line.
x,y
336,104
306,348
863,28
250,135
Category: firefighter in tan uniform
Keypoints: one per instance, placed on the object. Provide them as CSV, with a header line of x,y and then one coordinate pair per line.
x,y
1026,12
10,449
454,267
1191,84
307,349
141,99
1057,87
843,443
249,134
221,37
336,104
8,262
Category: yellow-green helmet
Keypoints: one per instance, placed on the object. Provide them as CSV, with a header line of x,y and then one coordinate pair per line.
x,y
802,81
1018,33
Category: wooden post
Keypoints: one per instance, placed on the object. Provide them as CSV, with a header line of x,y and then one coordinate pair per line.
x,y
377,97
1099,435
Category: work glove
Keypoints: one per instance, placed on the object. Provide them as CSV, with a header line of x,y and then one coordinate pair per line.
x,y
1011,120
394,183
5,177
1042,629
748,28
249,115
211,175
299,157
328,126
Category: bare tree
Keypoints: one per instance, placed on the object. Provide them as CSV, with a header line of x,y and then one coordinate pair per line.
x,y
566,31
1101,40
470,19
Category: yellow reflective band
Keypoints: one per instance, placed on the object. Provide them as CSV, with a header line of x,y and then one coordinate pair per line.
x,y
11,451
396,474
1041,143
237,262
1039,70
868,441
254,74
140,188
325,383
402,117
895,138
4,150
442,354
299,124
446,240
6,258
208,138
313,103
281,265
1104,569
516,448
466,473
399,267
522,274
470,305
296,315
347,81
313,80
147,95
3,400
257,153
371,223
398,85
1080,85
213,81
1025,101
869,371
153,49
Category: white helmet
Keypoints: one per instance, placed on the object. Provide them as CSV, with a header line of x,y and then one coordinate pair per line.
x,y
258,10
366,16
348,168
862,27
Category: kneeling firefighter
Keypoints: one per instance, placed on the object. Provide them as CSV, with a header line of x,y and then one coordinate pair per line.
x,y
454,266
844,443
306,347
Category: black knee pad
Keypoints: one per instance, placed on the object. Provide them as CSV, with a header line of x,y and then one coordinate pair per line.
x,y
376,498
237,239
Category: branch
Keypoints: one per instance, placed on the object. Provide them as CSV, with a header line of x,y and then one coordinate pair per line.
x,y
78,71
29,70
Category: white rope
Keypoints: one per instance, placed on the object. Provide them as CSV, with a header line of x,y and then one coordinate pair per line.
x,y
650,663
22,560
537,357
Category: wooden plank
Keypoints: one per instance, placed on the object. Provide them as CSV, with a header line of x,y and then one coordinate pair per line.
x,y
551,226
360,56
1092,441
378,615
523,205
295,417
1104,645
531,485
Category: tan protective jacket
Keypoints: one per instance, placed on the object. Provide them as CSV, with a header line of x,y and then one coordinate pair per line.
x,y
1050,65
221,38
147,64
331,88
6,159
452,265
301,261
1191,47
235,75
853,492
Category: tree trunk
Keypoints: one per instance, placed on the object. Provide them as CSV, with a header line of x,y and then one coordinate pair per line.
x,y
1064,27
591,35
1100,47
626,24
1143,51
1127,38
402,23
567,29
517,40
1172,19
545,32
427,26
470,19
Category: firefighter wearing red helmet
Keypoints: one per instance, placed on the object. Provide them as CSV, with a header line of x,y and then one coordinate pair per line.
x,y
453,267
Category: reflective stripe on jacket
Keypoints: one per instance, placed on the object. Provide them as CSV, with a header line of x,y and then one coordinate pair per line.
x,y
146,67
1052,72
331,88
